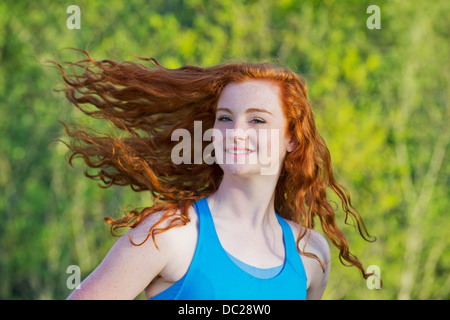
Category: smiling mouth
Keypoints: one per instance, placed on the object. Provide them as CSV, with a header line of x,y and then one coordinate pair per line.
x,y
236,151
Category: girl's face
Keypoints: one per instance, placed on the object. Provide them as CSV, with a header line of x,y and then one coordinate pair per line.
x,y
252,129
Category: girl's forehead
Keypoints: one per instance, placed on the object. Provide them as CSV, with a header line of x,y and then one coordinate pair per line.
x,y
251,94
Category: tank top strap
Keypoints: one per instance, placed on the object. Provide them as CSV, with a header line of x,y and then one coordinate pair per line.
x,y
206,223
292,254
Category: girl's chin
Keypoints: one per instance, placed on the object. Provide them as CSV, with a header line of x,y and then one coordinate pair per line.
x,y
250,158
240,169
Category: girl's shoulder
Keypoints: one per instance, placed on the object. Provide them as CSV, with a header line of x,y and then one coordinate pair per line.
x,y
313,242
168,230
317,273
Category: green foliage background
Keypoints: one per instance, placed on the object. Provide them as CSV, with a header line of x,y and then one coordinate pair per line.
x,y
381,100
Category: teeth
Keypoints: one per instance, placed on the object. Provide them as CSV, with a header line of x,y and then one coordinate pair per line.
x,y
238,151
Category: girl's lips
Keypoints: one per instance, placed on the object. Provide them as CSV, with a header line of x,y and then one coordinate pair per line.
x,y
234,148
238,151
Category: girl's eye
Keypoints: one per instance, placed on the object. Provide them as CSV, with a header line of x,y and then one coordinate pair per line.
x,y
256,120
226,119
223,118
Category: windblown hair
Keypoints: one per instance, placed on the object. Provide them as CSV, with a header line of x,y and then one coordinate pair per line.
x,y
148,103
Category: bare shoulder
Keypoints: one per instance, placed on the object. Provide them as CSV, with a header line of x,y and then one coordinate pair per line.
x,y
176,245
139,259
315,243
167,239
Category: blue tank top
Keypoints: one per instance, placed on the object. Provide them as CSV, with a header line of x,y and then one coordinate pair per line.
x,y
215,275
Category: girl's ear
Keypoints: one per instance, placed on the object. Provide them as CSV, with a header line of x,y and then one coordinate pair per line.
x,y
292,144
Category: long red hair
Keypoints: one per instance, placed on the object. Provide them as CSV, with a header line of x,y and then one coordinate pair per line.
x,y
148,104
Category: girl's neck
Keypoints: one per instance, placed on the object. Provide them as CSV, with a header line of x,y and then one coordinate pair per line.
x,y
247,200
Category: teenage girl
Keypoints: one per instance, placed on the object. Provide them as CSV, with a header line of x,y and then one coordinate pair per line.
x,y
227,229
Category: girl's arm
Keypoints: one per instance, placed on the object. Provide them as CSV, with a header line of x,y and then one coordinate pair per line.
x,y
127,269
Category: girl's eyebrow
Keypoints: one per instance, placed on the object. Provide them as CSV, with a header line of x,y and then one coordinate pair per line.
x,y
249,110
